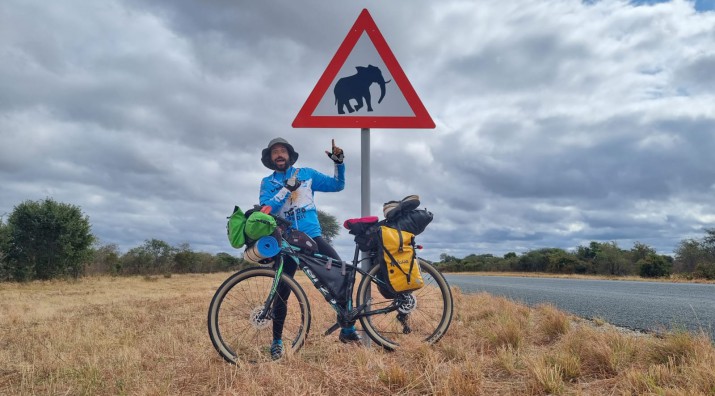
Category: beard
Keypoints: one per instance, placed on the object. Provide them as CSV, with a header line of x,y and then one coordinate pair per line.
x,y
281,165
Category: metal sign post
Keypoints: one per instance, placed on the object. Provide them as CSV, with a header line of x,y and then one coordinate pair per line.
x,y
365,200
365,172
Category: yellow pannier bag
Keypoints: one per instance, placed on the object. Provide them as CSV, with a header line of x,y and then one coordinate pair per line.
x,y
400,267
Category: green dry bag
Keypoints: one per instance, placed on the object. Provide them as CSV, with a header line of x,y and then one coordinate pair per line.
x,y
259,225
235,228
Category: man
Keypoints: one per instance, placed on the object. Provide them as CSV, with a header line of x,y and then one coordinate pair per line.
x,y
288,192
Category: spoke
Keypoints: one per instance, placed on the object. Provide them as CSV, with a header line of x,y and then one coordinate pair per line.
x,y
423,319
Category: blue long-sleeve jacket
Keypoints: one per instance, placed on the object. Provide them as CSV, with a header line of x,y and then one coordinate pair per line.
x,y
298,206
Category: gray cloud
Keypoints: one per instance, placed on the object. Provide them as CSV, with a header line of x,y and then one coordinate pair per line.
x,y
557,123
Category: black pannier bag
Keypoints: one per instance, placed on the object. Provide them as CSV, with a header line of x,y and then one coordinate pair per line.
x,y
331,274
413,221
365,230
368,240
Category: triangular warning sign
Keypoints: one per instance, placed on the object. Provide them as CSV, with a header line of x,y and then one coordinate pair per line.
x,y
363,87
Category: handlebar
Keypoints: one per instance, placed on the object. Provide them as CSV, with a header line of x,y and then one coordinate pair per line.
x,y
281,221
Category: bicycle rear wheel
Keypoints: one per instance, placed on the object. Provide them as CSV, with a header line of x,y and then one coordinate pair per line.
x,y
424,314
235,329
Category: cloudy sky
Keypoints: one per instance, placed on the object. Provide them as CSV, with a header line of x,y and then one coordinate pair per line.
x,y
559,122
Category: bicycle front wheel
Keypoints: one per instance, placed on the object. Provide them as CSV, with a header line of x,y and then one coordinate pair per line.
x,y
422,315
236,328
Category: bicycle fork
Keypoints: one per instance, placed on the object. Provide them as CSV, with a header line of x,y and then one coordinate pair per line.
x,y
266,313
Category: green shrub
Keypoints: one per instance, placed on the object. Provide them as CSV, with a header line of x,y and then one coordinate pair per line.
x,y
48,239
704,270
654,266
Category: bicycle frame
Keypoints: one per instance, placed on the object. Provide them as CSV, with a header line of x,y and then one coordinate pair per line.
x,y
346,314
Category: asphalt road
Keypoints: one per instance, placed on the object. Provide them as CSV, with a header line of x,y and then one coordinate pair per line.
x,y
649,306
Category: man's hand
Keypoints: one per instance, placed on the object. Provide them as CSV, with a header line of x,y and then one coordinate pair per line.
x,y
292,184
336,155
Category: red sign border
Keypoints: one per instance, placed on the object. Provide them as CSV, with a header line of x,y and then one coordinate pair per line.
x,y
364,23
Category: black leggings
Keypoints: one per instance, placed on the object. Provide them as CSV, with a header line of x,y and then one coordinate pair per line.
x,y
280,309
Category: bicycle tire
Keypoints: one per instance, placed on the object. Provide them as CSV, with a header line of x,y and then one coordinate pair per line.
x,y
235,332
427,312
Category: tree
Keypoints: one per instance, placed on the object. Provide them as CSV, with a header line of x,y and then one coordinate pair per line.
x,y
153,257
4,248
105,260
185,260
188,261
654,266
535,260
709,240
640,251
329,225
706,268
610,259
589,252
688,255
561,261
227,262
697,256
48,239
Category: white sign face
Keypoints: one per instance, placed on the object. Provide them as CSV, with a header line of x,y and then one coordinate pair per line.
x,y
363,55
363,87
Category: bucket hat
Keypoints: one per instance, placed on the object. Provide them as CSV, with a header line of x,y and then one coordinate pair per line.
x,y
266,153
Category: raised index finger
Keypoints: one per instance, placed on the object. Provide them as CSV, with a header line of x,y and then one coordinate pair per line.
x,y
333,143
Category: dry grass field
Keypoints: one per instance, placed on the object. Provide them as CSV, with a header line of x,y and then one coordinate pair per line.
x,y
142,336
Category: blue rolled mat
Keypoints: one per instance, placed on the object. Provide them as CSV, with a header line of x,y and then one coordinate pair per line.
x,y
268,246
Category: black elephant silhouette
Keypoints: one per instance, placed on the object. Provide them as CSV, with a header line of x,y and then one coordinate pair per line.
x,y
357,87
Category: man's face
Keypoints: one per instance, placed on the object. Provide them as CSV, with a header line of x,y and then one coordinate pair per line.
x,y
280,156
